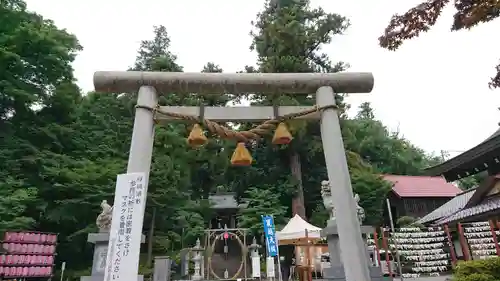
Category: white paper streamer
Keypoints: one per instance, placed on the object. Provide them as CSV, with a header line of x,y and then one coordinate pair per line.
x,y
423,248
480,240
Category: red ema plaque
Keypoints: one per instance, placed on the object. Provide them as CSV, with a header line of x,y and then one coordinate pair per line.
x,y
28,254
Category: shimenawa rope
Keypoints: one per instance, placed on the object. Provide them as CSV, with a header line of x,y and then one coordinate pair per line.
x,y
256,133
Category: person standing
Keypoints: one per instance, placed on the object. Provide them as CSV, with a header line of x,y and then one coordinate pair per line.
x,y
285,269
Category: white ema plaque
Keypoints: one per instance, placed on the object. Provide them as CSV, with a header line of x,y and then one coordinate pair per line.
x,y
122,261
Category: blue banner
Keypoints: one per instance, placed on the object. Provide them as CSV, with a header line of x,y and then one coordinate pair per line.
x,y
270,234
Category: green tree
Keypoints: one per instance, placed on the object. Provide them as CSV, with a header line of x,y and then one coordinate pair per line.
x,y
76,167
37,104
386,151
35,56
365,111
13,204
154,54
372,190
169,193
261,201
472,181
181,178
288,38
422,17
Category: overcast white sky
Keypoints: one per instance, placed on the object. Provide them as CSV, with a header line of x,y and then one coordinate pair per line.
x,y
434,89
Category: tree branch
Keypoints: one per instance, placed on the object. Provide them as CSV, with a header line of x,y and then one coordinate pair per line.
x,y
417,20
495,81
422,17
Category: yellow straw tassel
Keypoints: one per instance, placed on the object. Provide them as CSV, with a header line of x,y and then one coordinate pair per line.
x,y
241,156
197,136
282,135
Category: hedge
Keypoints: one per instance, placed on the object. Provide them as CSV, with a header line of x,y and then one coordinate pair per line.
x,y
478,270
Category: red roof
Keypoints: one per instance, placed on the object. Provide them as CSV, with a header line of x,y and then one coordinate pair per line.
x,y
422,186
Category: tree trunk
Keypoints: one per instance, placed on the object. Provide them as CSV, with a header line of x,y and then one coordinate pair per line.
x,y
150,240
298,201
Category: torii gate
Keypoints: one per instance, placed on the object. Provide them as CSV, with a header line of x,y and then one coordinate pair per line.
x,y
352,247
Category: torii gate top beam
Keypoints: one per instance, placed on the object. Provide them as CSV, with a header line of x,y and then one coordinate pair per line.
x,y
216,83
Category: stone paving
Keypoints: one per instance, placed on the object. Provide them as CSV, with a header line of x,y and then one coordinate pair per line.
x,y
440,278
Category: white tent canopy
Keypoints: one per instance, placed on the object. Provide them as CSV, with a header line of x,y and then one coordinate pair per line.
x,y
297,230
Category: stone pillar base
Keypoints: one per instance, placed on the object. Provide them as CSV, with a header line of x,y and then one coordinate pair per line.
x,y
336,270
337,273
101,241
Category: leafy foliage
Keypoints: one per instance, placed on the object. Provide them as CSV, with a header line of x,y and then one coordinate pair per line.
x,y
263,201
422,17
35,56
478,270
407,221
288,38
386,151
472,181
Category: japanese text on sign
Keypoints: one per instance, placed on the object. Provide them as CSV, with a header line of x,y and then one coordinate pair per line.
x,y
126,226
270,234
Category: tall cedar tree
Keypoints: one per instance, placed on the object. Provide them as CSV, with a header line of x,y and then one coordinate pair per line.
x,y
181,177
288,37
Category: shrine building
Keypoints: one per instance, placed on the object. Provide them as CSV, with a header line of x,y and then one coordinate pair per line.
x,y
479,204
416,196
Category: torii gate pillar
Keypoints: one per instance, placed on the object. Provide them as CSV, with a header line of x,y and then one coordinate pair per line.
x,y
352,247
141,146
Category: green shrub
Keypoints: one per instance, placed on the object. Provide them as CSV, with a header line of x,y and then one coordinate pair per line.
x,y
478,270
476,277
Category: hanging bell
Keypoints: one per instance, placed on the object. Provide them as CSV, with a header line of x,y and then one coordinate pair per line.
x,y
197,136
282,135
241,156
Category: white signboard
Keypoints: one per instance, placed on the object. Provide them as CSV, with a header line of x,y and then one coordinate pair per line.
x,y
256,267
270,267
122,262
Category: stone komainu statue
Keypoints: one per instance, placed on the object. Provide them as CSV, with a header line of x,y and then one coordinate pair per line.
x,y
103,221
326,194
359,209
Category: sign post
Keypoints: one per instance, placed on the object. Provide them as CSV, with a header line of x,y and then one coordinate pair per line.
x,y
271,242
122,261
